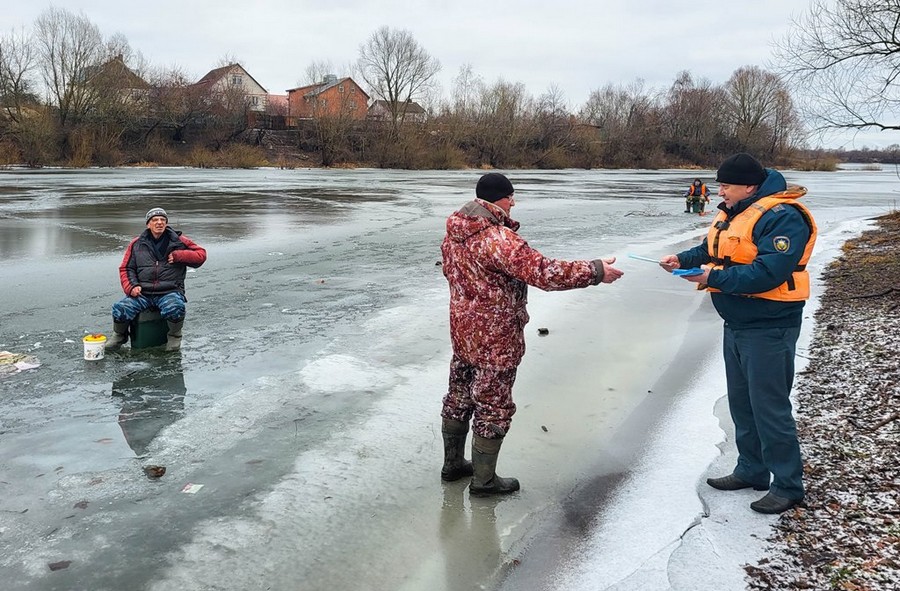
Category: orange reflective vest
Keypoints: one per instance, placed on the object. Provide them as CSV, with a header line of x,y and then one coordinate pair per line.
x,y
730,242
702,190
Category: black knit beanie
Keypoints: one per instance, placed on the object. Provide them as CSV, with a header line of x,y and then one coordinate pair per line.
x,y
741,169
493,187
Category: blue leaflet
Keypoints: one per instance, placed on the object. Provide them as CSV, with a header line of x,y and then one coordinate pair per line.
x,y
687,272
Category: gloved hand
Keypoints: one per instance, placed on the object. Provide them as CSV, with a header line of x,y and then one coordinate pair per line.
x,y
604,271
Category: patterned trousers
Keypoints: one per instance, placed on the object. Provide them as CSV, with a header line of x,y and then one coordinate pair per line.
x,y
171,306
481,394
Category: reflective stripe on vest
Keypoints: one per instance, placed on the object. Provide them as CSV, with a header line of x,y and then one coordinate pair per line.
x,y
730,243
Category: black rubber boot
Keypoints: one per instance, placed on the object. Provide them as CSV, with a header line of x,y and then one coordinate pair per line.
x,y
173,339
485,481
456,465
119,336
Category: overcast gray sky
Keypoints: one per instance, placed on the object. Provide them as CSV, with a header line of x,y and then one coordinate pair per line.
x,y
577,45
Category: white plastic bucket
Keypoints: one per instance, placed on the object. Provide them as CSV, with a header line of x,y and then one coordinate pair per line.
x,y
94,346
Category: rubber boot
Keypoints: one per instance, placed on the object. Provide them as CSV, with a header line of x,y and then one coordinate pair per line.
x,y
485,481
173,339
456,466
119,336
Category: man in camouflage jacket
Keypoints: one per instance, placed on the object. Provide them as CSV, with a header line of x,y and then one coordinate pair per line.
x,y
489,267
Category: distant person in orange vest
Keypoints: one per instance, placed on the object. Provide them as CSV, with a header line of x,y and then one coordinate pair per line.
x,y
697,192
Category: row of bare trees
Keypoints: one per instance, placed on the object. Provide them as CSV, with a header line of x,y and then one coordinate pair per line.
x,y
500,124
57,104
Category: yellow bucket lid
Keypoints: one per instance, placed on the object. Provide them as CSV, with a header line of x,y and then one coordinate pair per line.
x,y
94,338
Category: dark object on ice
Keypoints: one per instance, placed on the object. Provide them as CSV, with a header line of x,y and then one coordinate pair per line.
x,y
154,471
544,429
149,329
438,264
772,504
732,482
59,565
543,331
81,505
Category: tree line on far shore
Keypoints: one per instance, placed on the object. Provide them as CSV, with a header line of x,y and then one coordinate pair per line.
x,y
87,117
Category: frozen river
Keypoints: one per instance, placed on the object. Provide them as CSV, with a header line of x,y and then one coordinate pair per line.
x,y
306,396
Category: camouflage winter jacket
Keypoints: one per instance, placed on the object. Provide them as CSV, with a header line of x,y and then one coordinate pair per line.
x,y
488,266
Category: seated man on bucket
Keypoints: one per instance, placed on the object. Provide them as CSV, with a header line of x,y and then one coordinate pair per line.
x,y
152,275
696,193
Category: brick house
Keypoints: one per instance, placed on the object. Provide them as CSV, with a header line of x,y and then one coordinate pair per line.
x,y
331,97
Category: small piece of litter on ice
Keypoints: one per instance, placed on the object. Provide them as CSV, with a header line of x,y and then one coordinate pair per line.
x,y
154,471
543,331
439,264
191,489
59,565
544,429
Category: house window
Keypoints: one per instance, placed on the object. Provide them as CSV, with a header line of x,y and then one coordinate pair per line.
x,y
341,88
254,100
236,80
352,89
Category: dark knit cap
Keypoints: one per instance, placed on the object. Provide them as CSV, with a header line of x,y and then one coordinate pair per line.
x,y
741,169
493,187
155,212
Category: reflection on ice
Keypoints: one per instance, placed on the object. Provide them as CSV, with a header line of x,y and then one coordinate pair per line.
x,y
152,396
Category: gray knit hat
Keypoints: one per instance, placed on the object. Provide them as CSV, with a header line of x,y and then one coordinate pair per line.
x,y
155,212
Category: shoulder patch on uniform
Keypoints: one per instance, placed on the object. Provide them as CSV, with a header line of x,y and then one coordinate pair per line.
x,y
778,207
781,243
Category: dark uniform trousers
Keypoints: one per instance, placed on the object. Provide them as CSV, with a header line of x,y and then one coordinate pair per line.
x,y
759,368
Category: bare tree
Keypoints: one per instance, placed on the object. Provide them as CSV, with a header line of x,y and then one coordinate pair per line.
x,y
626,119
503,123
17,62
397,70
175,103
554,126
761,112
694,118
843,57
315,72
68,45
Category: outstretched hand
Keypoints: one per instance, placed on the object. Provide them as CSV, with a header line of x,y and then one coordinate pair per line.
x,y
606,271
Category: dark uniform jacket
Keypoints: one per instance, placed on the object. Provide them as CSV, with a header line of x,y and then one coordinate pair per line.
x,y
773,265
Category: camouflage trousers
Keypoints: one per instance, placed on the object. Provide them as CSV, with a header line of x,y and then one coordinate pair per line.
x,y
481,394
